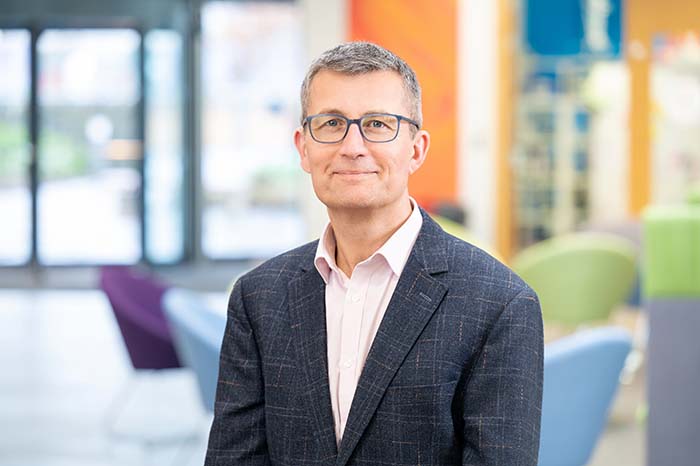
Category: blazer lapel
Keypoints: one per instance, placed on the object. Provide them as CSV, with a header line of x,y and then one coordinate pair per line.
x,y
307,308
414,301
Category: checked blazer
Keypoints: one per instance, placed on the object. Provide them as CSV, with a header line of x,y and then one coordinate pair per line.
x,y
453,376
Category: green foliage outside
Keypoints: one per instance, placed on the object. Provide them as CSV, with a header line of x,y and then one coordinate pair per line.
x,y
13,151
275,185
61,156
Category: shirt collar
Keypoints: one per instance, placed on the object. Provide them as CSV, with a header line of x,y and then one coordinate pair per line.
x,y
325,254
395,250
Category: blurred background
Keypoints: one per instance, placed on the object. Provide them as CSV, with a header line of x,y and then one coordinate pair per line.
x,y
146,161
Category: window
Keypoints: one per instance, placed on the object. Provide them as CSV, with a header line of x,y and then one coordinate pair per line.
x,y
252,67
15,195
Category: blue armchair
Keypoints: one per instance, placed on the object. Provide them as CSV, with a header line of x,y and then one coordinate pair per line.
x,y
581,376
198,331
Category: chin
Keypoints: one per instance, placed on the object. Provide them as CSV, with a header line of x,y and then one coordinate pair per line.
x,y
350,202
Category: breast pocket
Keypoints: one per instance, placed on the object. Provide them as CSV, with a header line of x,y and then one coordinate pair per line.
x,y
418,400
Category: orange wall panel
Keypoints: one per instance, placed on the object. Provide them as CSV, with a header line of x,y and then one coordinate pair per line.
x,y
424,34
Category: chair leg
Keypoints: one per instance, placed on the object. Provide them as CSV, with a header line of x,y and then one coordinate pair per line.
x,y
184,454
635,359
155,408
117,405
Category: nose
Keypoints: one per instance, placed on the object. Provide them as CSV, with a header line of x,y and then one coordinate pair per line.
x,y
354,144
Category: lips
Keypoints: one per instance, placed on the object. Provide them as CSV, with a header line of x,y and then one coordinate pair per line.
x,y
354,172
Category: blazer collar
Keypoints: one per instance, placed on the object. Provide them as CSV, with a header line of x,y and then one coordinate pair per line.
x,y
307,312
430,249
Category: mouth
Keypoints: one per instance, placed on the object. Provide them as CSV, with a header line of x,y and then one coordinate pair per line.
x,y
354,172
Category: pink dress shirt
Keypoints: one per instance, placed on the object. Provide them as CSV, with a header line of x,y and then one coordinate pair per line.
x,y
355,307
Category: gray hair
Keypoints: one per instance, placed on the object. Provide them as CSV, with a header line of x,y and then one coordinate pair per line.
x,y
355,58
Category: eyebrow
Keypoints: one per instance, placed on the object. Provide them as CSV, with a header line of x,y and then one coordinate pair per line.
x,y
339,112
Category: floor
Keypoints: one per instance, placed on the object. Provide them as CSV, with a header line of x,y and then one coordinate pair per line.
x,y
68,396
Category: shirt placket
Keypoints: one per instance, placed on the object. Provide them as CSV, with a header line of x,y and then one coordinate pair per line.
x,y
351,326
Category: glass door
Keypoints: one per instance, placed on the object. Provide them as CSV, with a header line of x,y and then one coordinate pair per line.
x,y
15,149
89,148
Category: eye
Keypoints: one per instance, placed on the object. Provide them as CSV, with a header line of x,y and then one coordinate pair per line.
x,y
331,122
377,124
328,123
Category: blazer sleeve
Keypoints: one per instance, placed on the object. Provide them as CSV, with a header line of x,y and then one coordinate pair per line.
x,y
502,402
237,435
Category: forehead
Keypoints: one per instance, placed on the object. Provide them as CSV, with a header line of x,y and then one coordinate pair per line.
x,y
354,95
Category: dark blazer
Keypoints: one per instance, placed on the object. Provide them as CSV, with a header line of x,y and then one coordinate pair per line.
x,y
453,377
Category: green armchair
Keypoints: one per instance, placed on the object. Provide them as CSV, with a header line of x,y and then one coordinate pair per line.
x,y
579,277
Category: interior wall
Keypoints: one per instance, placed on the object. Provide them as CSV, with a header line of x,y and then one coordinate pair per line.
x,y
477,105
506,95
645,19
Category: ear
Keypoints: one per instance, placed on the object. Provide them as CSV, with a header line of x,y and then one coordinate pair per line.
x,y
300,143
421,144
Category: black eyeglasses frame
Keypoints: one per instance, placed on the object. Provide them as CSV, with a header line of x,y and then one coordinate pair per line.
x,y
351,121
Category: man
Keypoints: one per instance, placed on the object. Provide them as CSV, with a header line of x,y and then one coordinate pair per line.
x,y
387,342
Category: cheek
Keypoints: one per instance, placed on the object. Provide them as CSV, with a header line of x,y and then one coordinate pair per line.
x,y
317,170
400,168
314,163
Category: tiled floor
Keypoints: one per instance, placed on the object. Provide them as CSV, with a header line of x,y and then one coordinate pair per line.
x,y
63,367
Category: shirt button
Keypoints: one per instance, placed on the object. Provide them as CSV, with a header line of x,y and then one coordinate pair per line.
x,y
355,298
348,363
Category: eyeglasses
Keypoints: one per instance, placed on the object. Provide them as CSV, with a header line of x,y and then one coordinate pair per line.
x,y
330,128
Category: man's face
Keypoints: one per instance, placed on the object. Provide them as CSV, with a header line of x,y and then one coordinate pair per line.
x,y
355,173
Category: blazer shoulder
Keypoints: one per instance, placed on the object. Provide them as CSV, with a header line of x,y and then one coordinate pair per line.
x,y
476,276
475,265
281,268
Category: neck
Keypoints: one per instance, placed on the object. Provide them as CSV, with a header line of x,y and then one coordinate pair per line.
x,y
359,234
